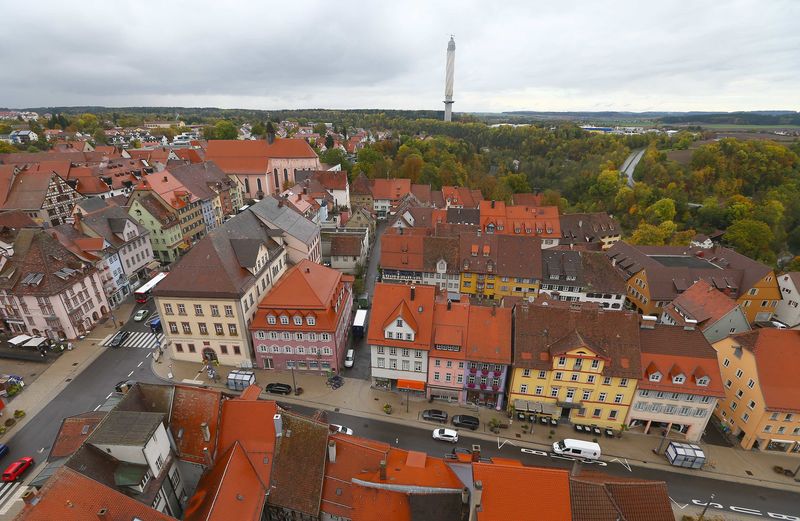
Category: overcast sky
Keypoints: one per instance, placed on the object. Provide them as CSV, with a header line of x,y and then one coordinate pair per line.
x,y
528,55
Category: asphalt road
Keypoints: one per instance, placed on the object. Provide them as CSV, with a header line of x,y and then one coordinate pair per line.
x,y
731,498
86,392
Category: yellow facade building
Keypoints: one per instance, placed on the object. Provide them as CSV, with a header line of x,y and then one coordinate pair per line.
x,y
762,393
496,266
575,362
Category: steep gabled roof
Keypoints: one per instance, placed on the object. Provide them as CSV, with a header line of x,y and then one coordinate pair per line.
x,y
393,300
306,285
192,407
601,497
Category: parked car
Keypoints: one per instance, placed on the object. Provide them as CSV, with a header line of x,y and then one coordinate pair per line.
x,y
118,339
123,386
342,429
16,469
469,422
276,388
141,315
434,415
3,450
448,435
349,358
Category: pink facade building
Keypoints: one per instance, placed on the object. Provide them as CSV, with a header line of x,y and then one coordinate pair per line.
x,y
303,322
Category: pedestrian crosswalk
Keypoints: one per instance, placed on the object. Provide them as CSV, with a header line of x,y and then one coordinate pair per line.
x,y
140,339
11,493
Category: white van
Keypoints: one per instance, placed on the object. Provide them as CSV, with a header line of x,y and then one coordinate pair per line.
x,y
577,448
349,358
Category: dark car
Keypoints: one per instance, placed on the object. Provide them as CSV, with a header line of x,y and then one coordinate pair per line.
x,y
434,415
468,422
3,450
123,386
278,388
118,339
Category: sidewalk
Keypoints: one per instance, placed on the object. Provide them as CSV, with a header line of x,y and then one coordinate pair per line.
x,y
357,398
55,378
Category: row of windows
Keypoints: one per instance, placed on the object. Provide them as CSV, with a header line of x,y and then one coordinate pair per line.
x,y
297,320
198,310
673,396
297,350
574,377
222,348
405,352
698,412
782,430
570,395
405,365
287,335
186,328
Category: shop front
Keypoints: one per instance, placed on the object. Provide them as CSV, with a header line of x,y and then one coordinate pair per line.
x,y
414,388
445,394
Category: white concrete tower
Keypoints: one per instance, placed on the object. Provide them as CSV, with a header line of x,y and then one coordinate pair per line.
x,y
448,80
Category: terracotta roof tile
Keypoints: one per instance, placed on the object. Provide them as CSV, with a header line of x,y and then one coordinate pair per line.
x,y
251,424
191,407
547,490
774,351
391,189
703,303
602,497
73,432
389,300
342,244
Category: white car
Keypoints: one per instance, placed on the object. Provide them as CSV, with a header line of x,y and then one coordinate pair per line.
x,y
342,429
445,435
140,315
349,358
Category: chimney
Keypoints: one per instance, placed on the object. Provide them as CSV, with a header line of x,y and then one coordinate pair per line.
x,y
332,451
401,230
207,456
449,304
648,322
476,452
101,514
492,203
383,470
690,325
31,496
413,292
206,432
165,179
278,421
580,223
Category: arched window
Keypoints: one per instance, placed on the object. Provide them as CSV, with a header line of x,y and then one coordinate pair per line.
x,y
285,176
277,182
247,185
258,183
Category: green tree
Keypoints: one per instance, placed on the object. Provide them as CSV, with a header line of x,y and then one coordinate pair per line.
x,y
258,129
99,137
329,142
225,129
792,265
320,129
660,211
7,148
751,238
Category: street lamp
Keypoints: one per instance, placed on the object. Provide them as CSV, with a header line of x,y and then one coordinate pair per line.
x,y
294,384
703,513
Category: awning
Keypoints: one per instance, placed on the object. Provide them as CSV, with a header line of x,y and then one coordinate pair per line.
x,y
411,385
35,342
535,407
19,340
776,440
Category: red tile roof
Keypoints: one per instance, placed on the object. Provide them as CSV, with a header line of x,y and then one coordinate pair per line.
x,y
191,407
74,430
393,300
546,492
251,424
775,350
71,495
672,350
601,497
402,252
701,302
489,335
354,456
281,148
391,189
540,221
231,489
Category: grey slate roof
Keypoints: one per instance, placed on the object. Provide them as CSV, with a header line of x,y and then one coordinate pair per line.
x,y
126,428
276,215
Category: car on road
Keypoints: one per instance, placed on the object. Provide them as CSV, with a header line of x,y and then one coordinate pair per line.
x,y
17,469
349,358
342,429
141,315
118,339
434,415
123,386
464,420
276,388
448,435
3,450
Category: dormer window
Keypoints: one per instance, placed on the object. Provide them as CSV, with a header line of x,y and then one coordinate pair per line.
x,y
298,320
703,381
284,320
311,320
271,319
655,377
678,379
261,335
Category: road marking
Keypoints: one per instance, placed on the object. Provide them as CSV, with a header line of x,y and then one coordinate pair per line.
x,y
97,407
140,364
130,374
625,464
148,354
109,396
41,450
500,445
11,495
678,504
